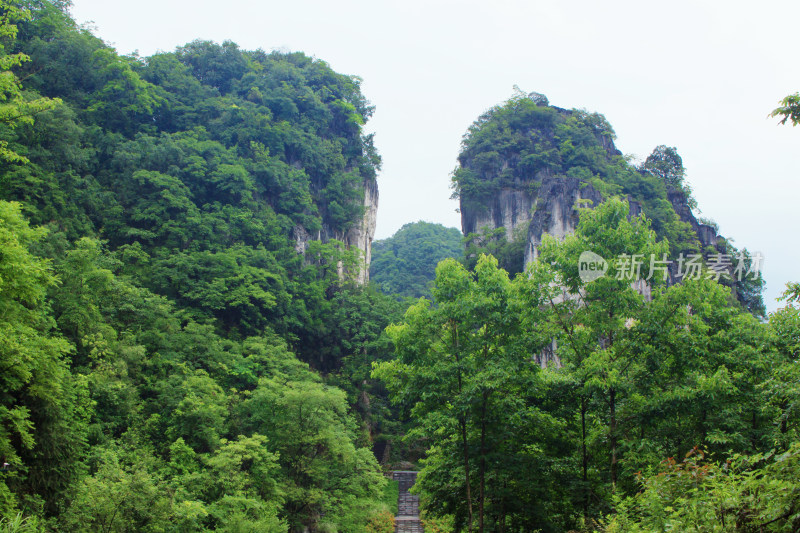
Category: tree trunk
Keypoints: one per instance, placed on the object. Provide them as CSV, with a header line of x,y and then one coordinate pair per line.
x,y
463,423
612,437
502,521
784,424
585,458
482,475
466,471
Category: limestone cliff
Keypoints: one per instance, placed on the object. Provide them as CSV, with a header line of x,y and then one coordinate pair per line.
x,y
706,235
359,236
532,199
526,167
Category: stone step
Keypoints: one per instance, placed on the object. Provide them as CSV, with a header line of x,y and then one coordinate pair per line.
x,y
407,519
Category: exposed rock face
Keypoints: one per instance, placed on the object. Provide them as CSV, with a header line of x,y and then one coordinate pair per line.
x,y
359,236
556,210
510,209
706,234
551,209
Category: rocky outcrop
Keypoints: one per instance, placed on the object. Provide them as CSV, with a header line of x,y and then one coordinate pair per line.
x,y
707,235
511,209
556,210
550,208
361,234
551,205
358,236
553,209
538,203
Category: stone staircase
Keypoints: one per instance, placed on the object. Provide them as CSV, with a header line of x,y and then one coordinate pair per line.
x,y
407,519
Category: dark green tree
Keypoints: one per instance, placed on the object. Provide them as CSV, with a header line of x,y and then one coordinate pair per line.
x,y
665,164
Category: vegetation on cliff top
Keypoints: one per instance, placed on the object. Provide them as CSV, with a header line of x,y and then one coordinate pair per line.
x,y
524,140
520,142
155,309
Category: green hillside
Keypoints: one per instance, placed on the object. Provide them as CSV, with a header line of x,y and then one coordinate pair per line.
x,y
404,263
187,343
156,312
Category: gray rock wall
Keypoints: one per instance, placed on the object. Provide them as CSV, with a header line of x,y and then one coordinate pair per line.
x,y
359,236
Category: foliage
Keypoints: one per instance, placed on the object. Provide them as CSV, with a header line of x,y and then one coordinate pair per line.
x,y
745,493
627,378
155,302
665,164
17,108
525,140
404,263
42,412
510,253
788,110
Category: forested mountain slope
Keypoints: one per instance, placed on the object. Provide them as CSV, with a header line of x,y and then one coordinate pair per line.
x,y
179,232
189,342
237,183
404,263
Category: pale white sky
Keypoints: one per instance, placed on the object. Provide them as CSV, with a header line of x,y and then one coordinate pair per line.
x,y
699,75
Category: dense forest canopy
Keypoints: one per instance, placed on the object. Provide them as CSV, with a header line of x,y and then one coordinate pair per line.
x,y
404,263
197,167
158,311
185,346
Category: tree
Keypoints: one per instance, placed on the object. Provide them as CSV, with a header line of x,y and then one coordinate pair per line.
x,y
37,396
325,475
789,109
665,164
655,374
782,389
595,319
465,371
120,496
15,108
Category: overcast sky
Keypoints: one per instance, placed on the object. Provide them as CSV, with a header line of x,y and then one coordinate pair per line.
x,y
698,75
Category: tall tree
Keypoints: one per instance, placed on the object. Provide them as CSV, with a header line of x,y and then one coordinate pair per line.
x,y
465,369
665,164
595,316
39,399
